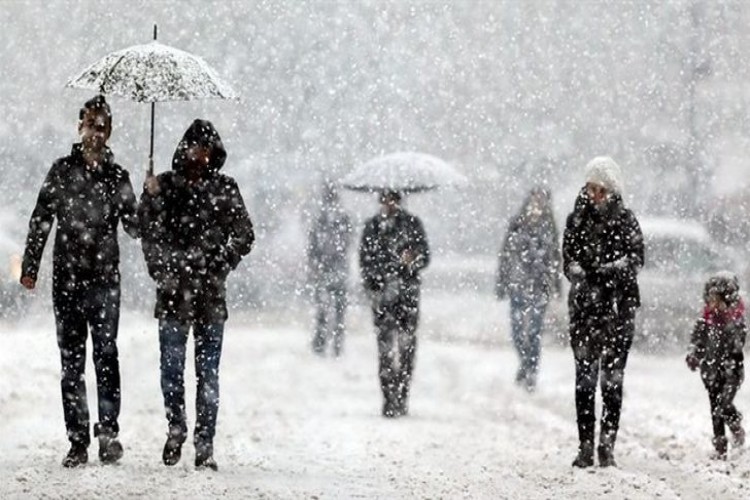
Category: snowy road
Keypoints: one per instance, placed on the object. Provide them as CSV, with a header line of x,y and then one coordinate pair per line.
x,y
295,426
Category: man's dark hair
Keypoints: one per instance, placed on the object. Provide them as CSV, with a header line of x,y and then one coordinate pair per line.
x,y
96,103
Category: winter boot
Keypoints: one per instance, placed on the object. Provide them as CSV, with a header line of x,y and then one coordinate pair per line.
x,y
77,455
173,447
738,434
585,456
720,448
110,449
204,457
606,456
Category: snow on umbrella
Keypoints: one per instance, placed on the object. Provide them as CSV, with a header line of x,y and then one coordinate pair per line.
x,y
404,172
153,73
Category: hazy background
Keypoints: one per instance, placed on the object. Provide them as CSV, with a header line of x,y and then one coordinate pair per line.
x,y
512,93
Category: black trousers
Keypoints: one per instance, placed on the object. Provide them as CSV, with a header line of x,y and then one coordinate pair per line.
x,y
396,325
601,343
78,310
722,387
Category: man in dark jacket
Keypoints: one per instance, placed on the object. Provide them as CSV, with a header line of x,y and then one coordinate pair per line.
x,y
392,253
327,251
602,254
196,229
88,194
529,272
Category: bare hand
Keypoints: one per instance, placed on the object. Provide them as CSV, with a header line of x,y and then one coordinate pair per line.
x,y
28,282
151,185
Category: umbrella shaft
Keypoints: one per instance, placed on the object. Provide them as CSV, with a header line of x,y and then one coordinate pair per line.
x,y
151,148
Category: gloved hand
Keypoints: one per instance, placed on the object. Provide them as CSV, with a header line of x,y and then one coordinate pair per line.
x,y
692,361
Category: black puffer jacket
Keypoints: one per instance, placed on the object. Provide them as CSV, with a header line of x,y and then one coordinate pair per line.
x,y
602,254
88,205
193,235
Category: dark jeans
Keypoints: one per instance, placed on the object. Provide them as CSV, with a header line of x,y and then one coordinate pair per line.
x,y
722,388
76,312
526,319
173,337
396,325
330,318
601,342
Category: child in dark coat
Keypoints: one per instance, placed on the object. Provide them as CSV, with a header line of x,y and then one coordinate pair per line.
x,y
716,348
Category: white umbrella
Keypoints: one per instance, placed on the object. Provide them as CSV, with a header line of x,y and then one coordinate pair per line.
x,y
153,73
405,172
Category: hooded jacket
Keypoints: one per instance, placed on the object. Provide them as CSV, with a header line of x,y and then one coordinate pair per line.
x,y
88,203
194,234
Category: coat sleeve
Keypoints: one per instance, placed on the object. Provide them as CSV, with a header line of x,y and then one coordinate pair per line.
x,y
40,224
242,235
554,258
128,207
369,268
698,340
419,247
571,247
634,244
739,337
503,266
161,259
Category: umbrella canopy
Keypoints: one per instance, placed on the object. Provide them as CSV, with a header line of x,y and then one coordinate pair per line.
x,y
404,172
153,72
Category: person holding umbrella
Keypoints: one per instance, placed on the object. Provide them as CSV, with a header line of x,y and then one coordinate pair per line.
x,y
196,230
89,195
392,253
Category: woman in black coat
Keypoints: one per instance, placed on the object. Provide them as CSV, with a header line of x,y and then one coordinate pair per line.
x,y
602,254
528,273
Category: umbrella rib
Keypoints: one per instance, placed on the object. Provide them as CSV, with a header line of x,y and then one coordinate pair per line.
x,y
109,73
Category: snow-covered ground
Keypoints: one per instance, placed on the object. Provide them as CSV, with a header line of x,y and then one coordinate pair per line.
x,y
292,425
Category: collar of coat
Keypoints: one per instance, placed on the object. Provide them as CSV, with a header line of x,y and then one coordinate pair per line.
x,y
77,153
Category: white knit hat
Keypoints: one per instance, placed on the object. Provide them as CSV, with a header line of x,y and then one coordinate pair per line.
x,y
603,171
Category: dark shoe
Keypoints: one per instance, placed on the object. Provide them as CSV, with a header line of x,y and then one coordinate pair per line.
x,y
204,457
585,456
738,434
606,456
720,448
110,449
77,455
173,447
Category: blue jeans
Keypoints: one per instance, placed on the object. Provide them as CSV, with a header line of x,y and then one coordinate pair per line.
x,y
526,319
173,336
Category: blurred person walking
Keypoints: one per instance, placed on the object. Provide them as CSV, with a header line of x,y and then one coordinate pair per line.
x,y
196,230
392,253
327,252
602,254
528,273
89,195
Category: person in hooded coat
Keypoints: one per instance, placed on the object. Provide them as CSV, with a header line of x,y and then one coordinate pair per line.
x,y
602,254
716,347
89,195
196,230
392,254
327,251
529,272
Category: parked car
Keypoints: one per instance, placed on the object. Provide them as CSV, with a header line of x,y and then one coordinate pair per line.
x,y
680,256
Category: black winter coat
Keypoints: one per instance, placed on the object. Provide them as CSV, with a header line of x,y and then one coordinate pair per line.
x,y
88,205
328,247
529,262
719,346
193,236
383,243
602,254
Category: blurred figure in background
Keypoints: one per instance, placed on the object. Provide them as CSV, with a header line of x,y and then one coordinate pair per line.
x,y
716,347
392,253
528,273
327,252
602,255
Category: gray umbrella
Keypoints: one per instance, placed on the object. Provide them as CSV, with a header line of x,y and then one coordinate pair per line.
x,y
405,172
153,73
